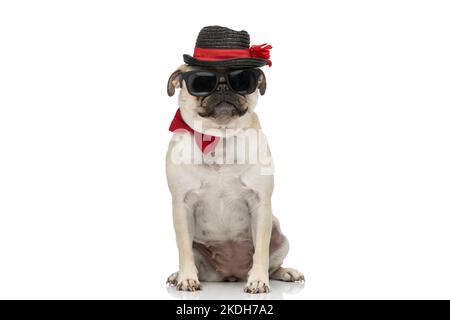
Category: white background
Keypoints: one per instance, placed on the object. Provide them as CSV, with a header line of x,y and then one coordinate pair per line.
x,y
357,114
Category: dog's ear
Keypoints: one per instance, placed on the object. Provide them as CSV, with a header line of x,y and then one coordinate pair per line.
x,y
262,83
174,82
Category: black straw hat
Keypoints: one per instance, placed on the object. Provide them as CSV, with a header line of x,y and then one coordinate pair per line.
x,y
223,47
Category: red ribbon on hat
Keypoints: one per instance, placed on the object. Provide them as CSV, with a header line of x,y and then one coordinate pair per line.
x,y
255,51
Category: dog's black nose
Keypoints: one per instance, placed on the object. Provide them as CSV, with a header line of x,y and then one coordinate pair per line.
x,y
222,88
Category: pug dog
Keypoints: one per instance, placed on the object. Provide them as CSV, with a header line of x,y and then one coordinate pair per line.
x,y
221,197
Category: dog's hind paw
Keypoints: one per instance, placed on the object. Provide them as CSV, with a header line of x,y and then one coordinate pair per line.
x,y
172,279
287,274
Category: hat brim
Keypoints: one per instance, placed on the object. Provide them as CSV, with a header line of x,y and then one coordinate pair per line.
x,y
228,63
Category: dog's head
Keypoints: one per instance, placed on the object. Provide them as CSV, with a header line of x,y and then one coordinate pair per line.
x,y
217,103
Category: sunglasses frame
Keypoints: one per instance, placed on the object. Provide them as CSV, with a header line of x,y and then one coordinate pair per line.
x,y
185,76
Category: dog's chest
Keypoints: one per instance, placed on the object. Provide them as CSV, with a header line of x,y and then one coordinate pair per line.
x,y
222,205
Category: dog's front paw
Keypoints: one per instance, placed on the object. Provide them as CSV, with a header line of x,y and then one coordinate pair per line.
x,y
258,282
257,286
186,284
189,285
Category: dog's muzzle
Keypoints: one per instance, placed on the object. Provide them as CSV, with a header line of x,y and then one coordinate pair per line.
x,y
223,103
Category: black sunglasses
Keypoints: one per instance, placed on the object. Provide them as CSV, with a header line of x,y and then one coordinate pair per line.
x,y
203,83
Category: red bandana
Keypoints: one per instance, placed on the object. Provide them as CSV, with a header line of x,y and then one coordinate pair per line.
x,y
205,142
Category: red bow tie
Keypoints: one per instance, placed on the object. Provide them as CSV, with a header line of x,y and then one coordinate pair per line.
x,y
205,142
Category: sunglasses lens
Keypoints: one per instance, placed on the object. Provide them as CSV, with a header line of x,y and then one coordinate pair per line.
x,y
243,81
202,83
